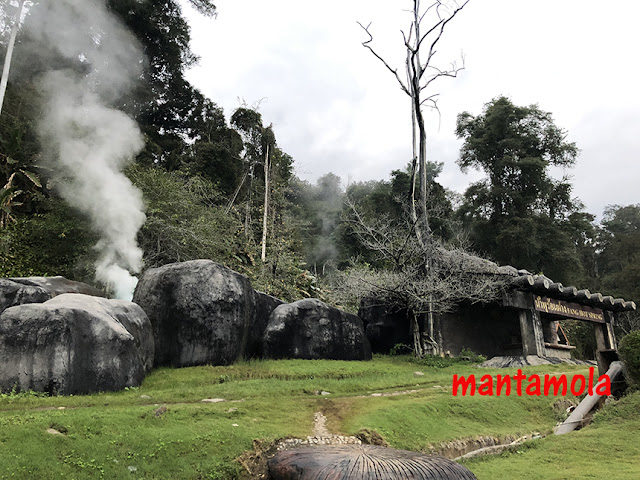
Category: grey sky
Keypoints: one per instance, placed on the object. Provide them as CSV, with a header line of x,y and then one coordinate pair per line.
x,y
335,108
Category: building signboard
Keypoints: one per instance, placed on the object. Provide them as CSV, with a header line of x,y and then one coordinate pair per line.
x,y
568,309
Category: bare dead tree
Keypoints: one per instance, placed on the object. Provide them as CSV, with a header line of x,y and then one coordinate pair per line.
x,y
420,75
422,279
265,215
7,60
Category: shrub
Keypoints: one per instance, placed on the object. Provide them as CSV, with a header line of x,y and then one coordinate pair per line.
x,y
630,352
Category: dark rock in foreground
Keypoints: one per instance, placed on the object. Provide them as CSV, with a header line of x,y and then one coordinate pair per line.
x,y
385,325
202,313
362,462
74,344
310,329
18,291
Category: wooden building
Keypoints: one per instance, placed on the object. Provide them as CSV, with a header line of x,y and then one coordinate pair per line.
x,y
524,322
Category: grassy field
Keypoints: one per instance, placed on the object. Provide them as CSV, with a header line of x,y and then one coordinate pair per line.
x,y
164,430
608,449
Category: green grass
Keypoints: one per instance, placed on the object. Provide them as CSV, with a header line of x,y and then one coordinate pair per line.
x,y
110,434
609,448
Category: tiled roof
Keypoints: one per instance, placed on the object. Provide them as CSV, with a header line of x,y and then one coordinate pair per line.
x,y
541,285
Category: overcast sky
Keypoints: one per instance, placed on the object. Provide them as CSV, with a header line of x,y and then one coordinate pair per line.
x,y
335,108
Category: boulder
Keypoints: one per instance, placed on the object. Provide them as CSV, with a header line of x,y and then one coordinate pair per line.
x,y
13,293
18,291
202,313
311,329
385,326
74,344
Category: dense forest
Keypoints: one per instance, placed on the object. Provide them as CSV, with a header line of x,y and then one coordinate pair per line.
x,y
219,186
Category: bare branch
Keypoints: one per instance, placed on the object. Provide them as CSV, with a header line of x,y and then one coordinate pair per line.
x,y
394,72
441,24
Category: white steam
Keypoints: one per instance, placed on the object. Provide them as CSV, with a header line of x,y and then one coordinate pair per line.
x,y
89,141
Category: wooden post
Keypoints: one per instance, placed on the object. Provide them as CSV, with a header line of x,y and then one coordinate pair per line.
x,y
532,334
611,319
601,347
526,333
541,351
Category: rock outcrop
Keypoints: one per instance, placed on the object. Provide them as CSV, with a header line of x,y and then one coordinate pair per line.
x,y
310,329
74,344
202,313
18,291
385,326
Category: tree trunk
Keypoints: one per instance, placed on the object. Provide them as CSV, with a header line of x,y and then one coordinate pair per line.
x,y
418,349
247,216
235,193
422,159
414,162
7,58
266,206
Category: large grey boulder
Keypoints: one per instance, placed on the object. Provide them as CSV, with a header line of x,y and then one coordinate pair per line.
x,y
21,290
202,313
311,329
385,325
74,344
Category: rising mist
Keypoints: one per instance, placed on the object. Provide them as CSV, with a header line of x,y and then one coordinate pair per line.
x,y
90,62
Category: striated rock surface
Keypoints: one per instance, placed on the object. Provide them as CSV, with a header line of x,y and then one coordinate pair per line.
x,y
362,462
74,344
311,329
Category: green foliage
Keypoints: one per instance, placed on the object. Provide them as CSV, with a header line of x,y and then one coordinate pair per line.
x,y
514,146
519,215
629,349
466,357
581,335
56,241
619,260
20,185
584,454
184,219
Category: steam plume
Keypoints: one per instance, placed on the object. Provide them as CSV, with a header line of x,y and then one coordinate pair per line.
x,y
89,141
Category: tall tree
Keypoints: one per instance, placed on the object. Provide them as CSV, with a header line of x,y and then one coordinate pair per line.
x,y
519,213
618,258
420,42
165,104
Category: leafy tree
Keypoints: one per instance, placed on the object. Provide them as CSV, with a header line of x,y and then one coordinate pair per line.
x,y
519,214
56,240
216,153
20,177
514,146
167,107
618,259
